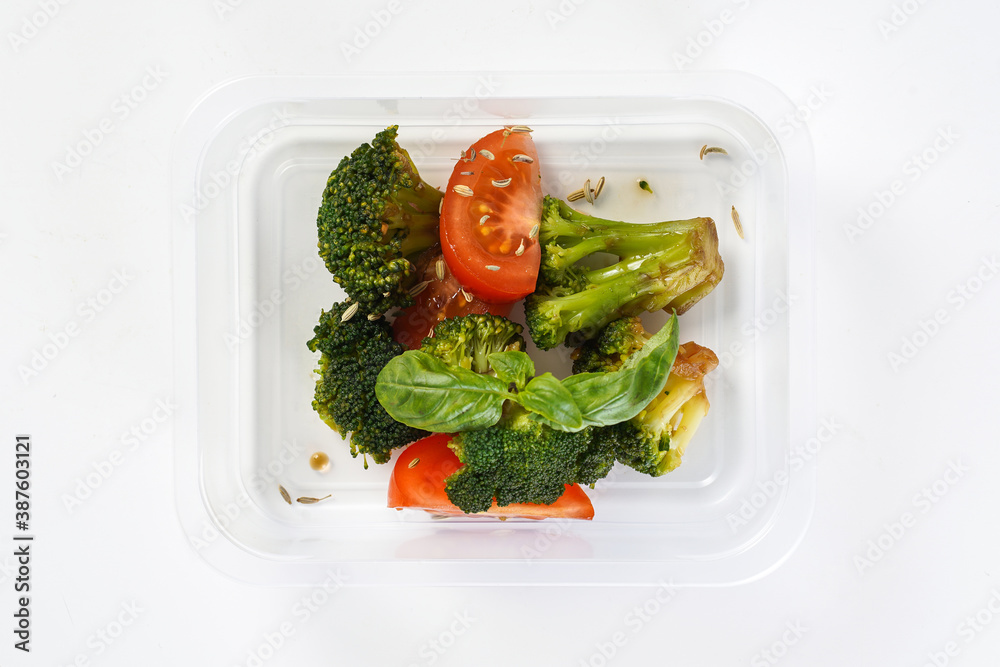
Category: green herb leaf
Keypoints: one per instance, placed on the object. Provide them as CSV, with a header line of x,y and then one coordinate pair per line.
x,y
421,391
546,396
512,366
610,398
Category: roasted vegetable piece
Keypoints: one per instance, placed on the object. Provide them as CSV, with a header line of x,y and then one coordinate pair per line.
x,y
418,481
469,340
664,265
653,441
520,460
377,216
353,352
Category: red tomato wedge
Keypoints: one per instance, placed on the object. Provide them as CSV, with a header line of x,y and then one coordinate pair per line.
x,y
490,214
420,485
439,299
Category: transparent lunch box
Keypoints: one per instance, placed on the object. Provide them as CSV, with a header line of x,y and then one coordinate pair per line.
x,y
249,166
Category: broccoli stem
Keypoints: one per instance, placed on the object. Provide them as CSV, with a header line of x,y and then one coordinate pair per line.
x,y
414,214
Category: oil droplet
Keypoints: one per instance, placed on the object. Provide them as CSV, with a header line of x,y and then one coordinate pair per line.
x,y
319,462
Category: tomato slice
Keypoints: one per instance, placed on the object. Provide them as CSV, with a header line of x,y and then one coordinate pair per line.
x,y
492,204
421,486
438,300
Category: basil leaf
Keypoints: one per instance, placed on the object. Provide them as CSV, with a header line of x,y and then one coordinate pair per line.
x,y
512,366
609,398
547,397
423,392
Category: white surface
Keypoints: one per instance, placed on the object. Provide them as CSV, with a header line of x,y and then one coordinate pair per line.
x,y
902,429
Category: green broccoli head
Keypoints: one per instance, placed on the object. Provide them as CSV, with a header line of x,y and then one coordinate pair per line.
x,y
520,460
468,341
352,354
616,343
664,265
654,441
377,215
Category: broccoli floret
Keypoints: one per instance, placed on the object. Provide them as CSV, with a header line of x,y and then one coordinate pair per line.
x,y
520,460
616,343
467,341
653,441
377,215
665,265
353,353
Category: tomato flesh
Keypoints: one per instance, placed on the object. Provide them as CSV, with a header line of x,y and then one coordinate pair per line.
x,y
487,236
421,486
439,300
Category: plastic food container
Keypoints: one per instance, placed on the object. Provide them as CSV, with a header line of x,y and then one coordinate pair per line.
x,y
249,166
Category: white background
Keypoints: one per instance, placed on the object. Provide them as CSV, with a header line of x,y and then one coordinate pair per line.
x,y
891,90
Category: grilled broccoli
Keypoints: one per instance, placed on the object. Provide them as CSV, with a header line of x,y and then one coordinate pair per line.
x,y
377,215
468,341
664,265
653,441
353,353
520,460
612,347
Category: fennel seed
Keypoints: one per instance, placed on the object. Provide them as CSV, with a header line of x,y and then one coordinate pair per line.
x,y
350,312
463,190
737,223
706,149
306,500
413,463
284,494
